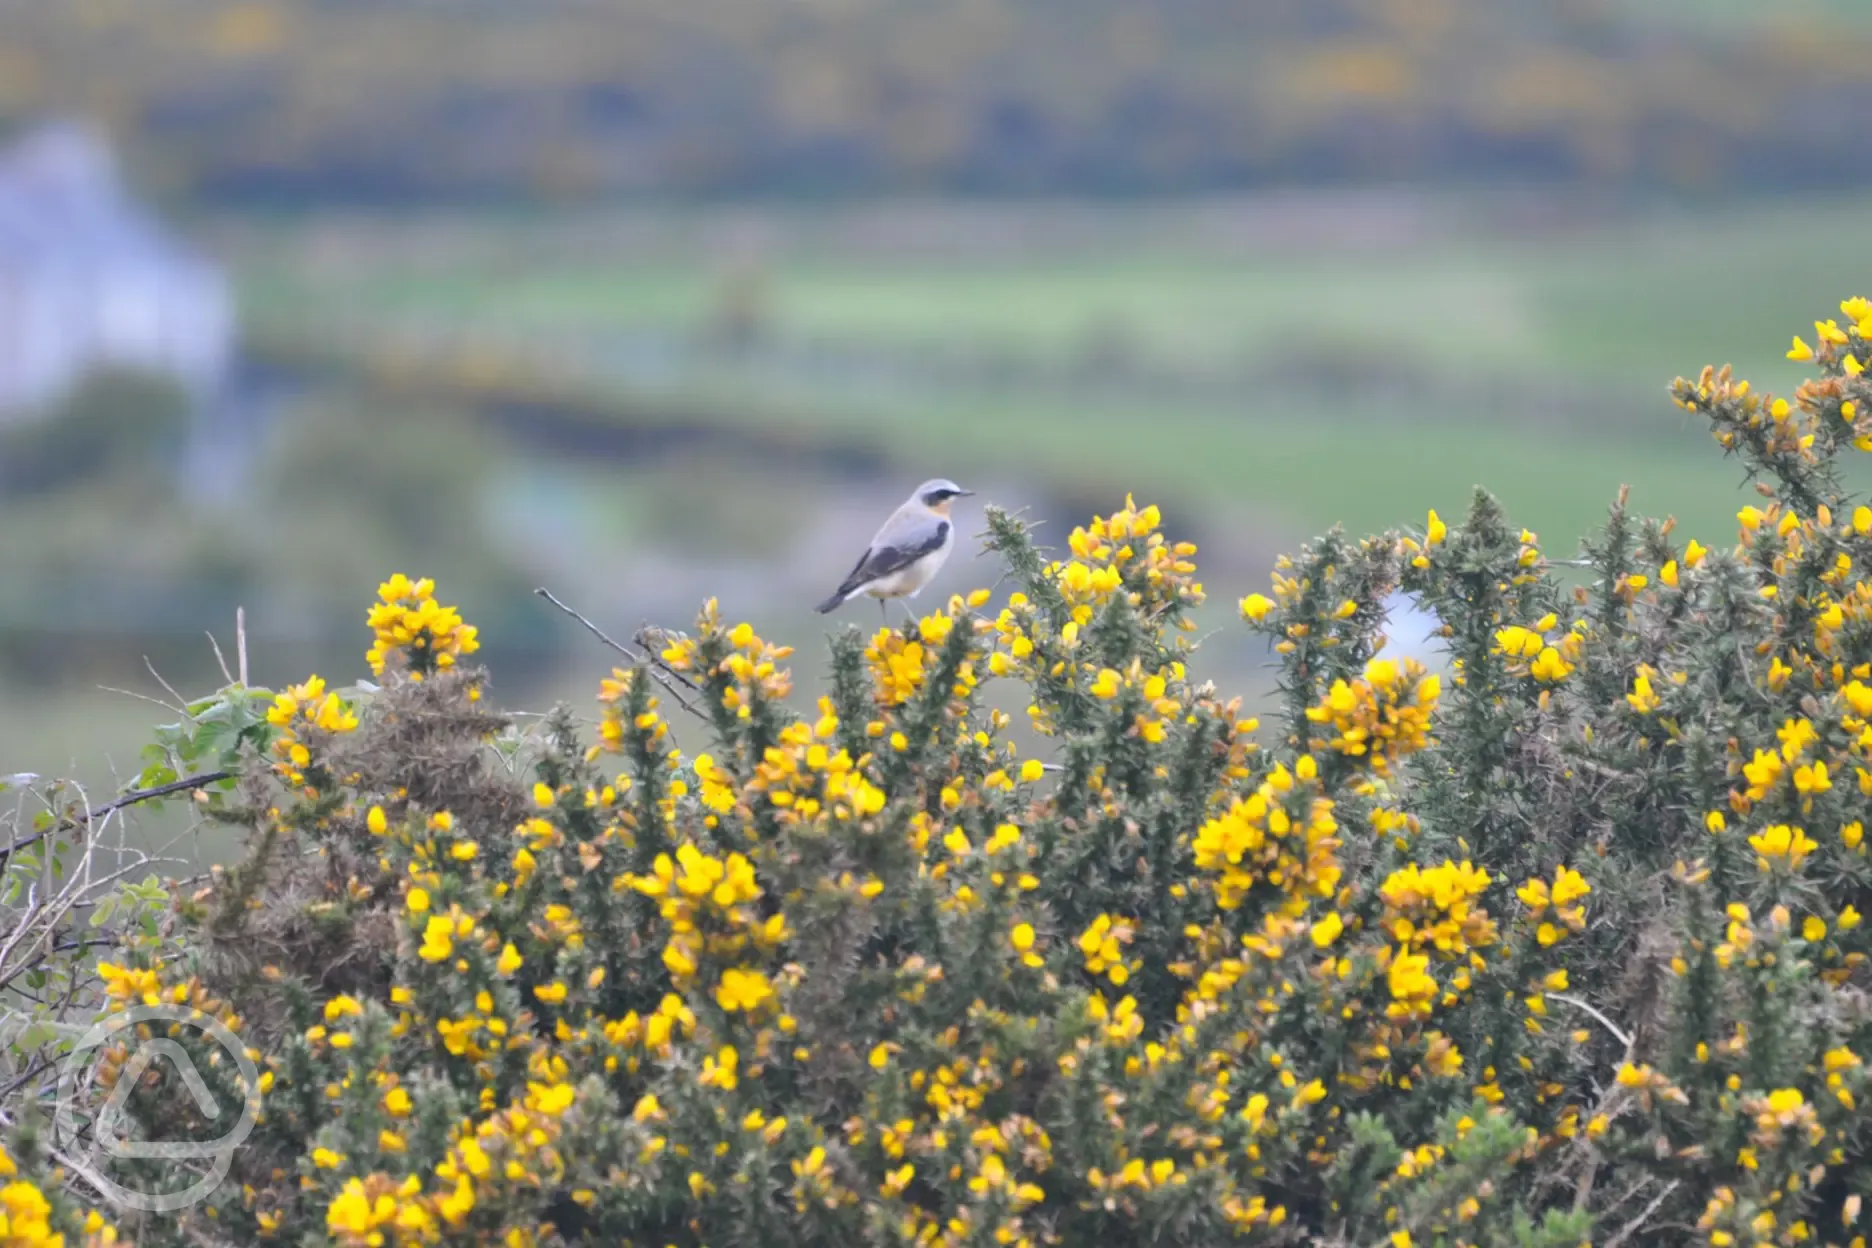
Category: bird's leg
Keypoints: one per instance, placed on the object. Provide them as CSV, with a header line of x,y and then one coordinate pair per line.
x,y
883,613
909,611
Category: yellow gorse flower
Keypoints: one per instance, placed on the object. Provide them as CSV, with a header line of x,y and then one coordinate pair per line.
x,y
1381,718
414,631
1283,835
1782,847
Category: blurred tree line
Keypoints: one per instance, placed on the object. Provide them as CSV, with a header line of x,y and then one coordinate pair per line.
x,y
399,99
111,535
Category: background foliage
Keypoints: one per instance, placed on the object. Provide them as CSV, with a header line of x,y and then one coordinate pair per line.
x,y
302,100
504,275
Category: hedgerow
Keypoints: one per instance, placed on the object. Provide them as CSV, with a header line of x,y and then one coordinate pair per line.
x,y
1560,944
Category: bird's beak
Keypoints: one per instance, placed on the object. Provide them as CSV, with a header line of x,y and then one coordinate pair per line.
x,y
965,493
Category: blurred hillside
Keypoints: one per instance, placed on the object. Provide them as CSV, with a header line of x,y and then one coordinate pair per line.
x,y
652,302
296,101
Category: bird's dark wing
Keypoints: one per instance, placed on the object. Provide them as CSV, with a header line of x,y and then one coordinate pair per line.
x,y
881,561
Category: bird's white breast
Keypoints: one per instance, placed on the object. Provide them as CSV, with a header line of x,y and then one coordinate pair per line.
x,y
910,579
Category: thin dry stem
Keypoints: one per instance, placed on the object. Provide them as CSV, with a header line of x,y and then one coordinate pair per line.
x,y
658,671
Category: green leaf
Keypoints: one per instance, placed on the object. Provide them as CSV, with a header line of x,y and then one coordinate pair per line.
x,y
210,736
154,776
33,1035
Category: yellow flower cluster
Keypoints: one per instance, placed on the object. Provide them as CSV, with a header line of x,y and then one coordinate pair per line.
x,y
900,665
1842,353
1126,551
131,985
618,720
1558,907
516,1146
1014,629
308,705
1806,777
708,903
1155,704
25,1218
803,779
740,667
1282,835
1381,718
415,631
1436,908
1782,847
127,987
1530,651
1102,944
1294,588
1431,915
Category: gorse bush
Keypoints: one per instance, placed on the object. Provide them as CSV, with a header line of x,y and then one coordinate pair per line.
x,y
1561,944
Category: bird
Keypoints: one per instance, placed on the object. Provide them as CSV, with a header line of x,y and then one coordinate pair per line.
x,y
907,549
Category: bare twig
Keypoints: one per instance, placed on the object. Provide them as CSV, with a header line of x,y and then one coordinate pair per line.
x,y
219,659
656,670
653,638
1631,1227
33,1071
1609,1025
181,702
240,648
199,781
93,814
1631,1192
1610,1103
141,697
590,627
83,1171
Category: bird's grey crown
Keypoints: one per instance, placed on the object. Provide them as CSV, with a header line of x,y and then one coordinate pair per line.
x,y
936,489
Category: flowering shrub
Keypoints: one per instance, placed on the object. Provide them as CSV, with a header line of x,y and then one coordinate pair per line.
x,y
1562,944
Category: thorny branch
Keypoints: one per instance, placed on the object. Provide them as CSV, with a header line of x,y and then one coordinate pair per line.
x,y
659,671
1632,1226
1607,1023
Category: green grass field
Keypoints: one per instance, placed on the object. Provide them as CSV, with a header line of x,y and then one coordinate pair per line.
x,y
1535,360
1630,301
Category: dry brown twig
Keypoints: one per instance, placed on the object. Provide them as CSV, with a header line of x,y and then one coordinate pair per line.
x,y
659,671
1630,1228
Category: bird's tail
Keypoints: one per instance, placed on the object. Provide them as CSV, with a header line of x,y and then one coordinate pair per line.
x,y
833,603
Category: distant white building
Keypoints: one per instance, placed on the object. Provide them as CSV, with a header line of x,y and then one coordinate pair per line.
x,y
87,279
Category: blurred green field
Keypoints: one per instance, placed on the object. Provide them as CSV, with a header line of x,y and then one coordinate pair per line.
x,y
1355,380
1744,13
1607,303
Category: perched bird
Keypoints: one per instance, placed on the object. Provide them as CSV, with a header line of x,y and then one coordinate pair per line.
x,y
907,550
